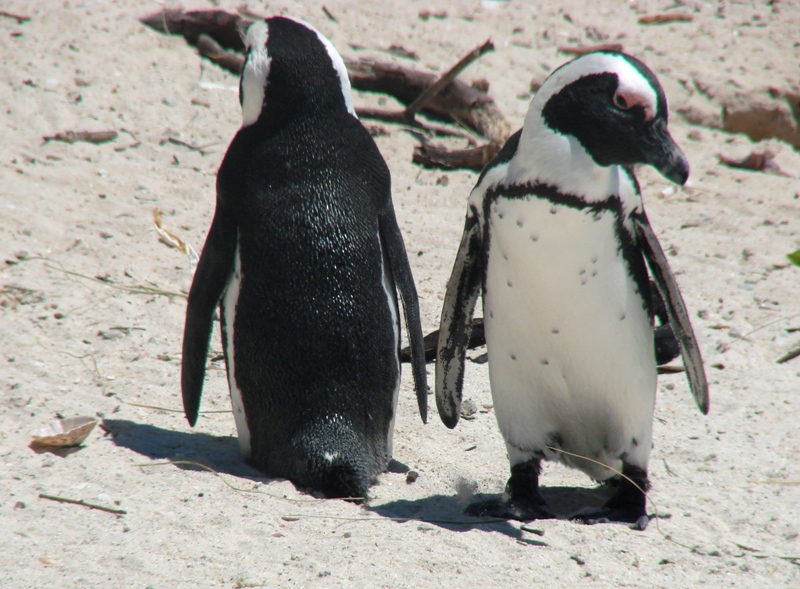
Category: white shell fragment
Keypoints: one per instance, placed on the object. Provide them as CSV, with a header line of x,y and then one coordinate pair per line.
x,y
63,433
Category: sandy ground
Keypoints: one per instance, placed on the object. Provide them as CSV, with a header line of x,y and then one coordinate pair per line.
x,y
76,233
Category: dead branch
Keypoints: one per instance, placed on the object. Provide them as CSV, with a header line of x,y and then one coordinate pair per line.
x,y
423,99
82,502
17,17
88,136
456,100
433,155
221,26
208,47
216,34
790,355
584,49
400,117
665,17
756,161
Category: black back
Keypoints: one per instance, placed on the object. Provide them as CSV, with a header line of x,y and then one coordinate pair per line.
x,y
315,355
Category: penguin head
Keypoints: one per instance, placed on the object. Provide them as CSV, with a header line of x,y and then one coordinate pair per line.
x,y
614,106
290,70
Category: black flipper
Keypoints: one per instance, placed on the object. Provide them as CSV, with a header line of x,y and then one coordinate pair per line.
x,y
210,278
404,281
676,309
455,326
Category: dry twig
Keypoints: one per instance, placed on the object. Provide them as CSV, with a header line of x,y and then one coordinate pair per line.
x,y
584,49
88,136
82,502
665,17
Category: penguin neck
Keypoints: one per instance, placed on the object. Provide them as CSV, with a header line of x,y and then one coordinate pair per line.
x,y
549,157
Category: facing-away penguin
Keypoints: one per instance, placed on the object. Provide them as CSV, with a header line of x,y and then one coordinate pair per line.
x,y
303,256
556,237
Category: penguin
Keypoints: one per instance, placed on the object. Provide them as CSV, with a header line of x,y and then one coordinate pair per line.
x,y
557,241
305,258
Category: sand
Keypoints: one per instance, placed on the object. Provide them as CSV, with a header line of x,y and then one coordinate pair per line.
x,y
88,326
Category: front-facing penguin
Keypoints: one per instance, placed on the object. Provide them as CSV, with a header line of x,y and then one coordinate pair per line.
x,y
556,237
303,256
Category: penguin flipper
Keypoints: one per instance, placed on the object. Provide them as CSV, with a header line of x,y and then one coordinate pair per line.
x,y
211,276
404,280
676,309
455,326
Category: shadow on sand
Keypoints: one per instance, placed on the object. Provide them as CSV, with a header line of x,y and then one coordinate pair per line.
x,y
220,453
448,511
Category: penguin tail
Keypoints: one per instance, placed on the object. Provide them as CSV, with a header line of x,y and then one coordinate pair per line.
x,y
343,479
339,461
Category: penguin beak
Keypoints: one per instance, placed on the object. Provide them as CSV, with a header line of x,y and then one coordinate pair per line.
x,y
661,152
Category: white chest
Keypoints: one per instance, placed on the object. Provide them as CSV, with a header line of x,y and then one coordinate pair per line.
x,y
570,343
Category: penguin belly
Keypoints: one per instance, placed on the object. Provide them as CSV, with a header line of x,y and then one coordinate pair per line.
x,y
569,338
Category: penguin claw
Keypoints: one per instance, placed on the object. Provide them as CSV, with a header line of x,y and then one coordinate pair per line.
x,y
516,509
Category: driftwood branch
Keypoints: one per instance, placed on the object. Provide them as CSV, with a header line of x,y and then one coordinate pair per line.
x,y
223,27
432,155
424,99
217,36
456,100
229,60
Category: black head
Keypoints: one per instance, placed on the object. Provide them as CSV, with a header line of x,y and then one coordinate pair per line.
x,y
616,109
291,69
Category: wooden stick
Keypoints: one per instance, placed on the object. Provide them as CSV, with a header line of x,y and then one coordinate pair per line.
x,y
424,98
208,47
665,17
399,117
584,49
16,17
82,502
88,136
790,355
433,155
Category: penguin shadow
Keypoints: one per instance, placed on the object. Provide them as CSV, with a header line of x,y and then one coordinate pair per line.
x,y
220,453
447,511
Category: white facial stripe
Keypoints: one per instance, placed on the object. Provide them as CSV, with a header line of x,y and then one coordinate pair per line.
x,y
256,72
637,91
631,82
338,64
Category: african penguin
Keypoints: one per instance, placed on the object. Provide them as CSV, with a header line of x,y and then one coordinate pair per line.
x,y
557,240
305,258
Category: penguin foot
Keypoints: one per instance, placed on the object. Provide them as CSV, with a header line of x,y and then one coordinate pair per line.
x,y
523,510
521,501
629,503
635,519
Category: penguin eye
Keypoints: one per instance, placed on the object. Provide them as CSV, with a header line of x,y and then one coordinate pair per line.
x,y
620,102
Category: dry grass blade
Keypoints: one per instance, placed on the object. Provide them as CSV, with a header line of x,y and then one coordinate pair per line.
x,y
134,289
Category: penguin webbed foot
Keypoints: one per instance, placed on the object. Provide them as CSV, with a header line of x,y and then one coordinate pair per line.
x,y
519,509
628,505
521,500
635,518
